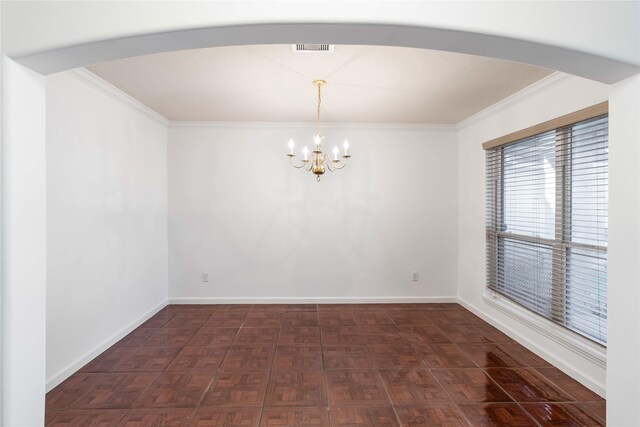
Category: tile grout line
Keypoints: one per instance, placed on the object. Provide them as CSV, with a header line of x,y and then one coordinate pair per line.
x,y
215,373
453,402
384,389
457,344
513,398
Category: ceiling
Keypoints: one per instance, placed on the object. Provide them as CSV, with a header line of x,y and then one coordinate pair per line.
x,y
271,83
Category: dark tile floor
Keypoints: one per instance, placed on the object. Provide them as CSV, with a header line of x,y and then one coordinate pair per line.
x,y
320,365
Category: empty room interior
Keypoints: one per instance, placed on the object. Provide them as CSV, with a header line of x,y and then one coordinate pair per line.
x,y
350,214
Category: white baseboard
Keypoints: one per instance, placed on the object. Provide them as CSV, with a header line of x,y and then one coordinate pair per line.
x,y
580,376
75,366
310,300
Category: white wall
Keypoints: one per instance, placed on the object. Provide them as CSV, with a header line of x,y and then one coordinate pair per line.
x,y
24,255
623,373
106,219
263,230
556,96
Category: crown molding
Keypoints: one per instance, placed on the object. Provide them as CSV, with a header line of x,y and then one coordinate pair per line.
x,y
107,88
550,81
417,127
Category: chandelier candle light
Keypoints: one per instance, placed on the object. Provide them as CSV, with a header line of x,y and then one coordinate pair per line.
x,y
319,162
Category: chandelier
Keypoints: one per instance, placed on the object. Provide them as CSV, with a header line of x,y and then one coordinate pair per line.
x,y
319,162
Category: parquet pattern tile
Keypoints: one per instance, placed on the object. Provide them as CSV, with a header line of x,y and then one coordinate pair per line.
x,y
568,384
413,387
330,365
151,359
527,385
337,319
355,387
157,417
110,391
296,389
299,335
208,336
341,335
598,408
567,414
298,357
347,357
67,392
264,319
137,337
300,318
295,417
369,416
187,320
470,385
198,359
394,356
170,337
107,361
424,334
237,389
497,414
427,415
488,355
236,417
443,355
81,418
248,357
252,335
176,390
374,318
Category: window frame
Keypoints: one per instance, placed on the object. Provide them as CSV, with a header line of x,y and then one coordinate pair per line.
x,y
562,243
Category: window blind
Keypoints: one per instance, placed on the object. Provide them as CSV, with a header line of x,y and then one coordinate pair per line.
x,y
547,222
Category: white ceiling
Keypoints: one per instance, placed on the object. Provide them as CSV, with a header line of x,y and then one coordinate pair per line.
x,y
365,84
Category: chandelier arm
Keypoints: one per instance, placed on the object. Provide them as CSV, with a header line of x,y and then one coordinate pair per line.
x,y
294,165
343,163
330,165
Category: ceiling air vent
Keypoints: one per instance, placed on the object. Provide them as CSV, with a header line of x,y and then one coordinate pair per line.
x,y
312,48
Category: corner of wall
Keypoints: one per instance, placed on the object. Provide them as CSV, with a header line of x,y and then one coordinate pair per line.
x,y
123,237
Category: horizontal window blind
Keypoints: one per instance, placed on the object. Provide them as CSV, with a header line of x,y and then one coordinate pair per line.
x,y
547,222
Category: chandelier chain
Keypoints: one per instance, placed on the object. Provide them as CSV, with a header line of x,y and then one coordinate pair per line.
x,y
318,116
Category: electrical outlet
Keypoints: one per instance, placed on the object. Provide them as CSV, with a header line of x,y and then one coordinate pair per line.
x,y
416,276
205,277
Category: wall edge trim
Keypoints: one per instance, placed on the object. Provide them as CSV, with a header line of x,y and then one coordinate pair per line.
x,y
107,88
309,300
416,127
549,81
73,367
580,376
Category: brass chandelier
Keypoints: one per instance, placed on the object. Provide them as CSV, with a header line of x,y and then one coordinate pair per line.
x,y
319,162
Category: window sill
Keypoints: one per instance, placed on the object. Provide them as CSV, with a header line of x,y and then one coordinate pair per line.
x,y
584,347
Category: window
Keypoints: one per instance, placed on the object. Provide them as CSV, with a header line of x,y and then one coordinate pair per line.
x,y
547,201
